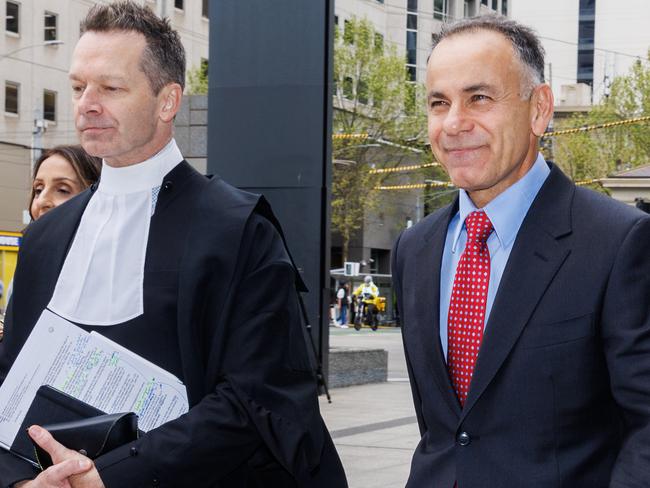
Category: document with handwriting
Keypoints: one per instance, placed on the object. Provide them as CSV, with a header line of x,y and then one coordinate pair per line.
x,y
90,368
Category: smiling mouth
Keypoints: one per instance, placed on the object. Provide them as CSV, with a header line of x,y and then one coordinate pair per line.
x,y
462,149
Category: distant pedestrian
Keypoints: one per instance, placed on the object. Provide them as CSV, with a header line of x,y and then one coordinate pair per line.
x,y
342,298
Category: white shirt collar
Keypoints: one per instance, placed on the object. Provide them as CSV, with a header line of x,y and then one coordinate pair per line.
x,y
142,176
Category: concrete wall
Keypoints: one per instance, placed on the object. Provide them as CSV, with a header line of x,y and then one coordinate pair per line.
x,y
191,131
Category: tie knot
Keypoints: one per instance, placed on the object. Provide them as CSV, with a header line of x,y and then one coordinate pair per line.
x,y
478,227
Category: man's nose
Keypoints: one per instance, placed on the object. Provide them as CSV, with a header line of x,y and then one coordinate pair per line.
x,y
89,101
456,120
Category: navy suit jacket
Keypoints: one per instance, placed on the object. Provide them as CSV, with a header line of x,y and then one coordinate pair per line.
x,y
254,417
560,395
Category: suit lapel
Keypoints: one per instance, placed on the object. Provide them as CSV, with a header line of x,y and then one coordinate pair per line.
x,y
535,259
429,259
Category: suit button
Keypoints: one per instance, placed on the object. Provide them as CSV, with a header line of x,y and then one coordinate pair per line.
x,y
133,451
168,185
155,482
463,439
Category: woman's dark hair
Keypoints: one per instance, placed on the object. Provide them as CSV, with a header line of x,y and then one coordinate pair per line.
x,y
86,167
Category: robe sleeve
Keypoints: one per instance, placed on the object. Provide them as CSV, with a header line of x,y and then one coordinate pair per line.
x,y
263,411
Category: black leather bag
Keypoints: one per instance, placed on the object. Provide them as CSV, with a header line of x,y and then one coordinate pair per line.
x,y
74,424
92,437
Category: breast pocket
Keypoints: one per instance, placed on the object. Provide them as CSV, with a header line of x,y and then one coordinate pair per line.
x,y
542,334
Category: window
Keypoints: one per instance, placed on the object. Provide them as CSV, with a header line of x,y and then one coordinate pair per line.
x,y
362,92
439,9
410,70
411,47
504,7
336,20
178,4
484,2
467,9
412,21
49,105
204,67
49,33
12,23
348,35
412,5
348,88
11,97
379,42
587,7
204,9
495,4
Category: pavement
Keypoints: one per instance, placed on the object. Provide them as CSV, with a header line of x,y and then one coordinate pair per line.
x,y
373,426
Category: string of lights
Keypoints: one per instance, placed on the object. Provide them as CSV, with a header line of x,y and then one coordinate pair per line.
x,y
417,186
586,128
397,169
349,136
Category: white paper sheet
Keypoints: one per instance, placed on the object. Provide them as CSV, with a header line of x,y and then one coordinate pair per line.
x,y
90,368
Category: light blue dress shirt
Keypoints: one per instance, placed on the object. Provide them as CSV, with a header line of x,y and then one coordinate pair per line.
x,y
506,212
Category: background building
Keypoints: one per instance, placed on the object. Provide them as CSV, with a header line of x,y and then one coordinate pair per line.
x,y
587,41
36,44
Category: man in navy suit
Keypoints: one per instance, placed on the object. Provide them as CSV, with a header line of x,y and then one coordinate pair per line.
x,y
525,303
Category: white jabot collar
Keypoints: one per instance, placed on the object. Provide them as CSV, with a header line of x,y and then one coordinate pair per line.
x,y
103,274
140,177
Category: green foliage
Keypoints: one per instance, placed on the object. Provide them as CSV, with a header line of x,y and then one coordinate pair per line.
x,y
373,95
596,153
197,79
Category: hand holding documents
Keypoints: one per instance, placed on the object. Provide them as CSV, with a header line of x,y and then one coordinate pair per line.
x,y
90,368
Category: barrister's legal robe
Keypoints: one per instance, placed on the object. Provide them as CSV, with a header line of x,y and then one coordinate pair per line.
x,y
221,313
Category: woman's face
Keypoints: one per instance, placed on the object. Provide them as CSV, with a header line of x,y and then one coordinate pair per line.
x,y
56,182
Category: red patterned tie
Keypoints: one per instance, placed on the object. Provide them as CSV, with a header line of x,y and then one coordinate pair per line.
x,y
467,306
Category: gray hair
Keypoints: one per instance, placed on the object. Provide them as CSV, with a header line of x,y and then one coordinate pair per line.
x,y
163,59
524,41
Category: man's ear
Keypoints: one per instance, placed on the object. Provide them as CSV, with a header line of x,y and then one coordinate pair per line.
x,y
170,99
542,106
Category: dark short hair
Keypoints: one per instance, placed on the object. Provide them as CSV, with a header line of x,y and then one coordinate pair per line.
x,y
524,40
86,167
163,60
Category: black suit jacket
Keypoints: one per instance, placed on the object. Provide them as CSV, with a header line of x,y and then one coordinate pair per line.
x,y
560,396
254,417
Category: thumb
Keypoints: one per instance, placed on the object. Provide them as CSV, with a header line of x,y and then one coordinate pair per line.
x,y
43,438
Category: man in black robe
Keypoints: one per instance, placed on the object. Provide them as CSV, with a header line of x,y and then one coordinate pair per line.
x,y
188,272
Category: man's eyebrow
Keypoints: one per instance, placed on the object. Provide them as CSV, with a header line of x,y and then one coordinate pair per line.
x,y
468,89
478,87
435,94
102,78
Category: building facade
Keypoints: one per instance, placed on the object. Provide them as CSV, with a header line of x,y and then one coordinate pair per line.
x,y
587,41
36,45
